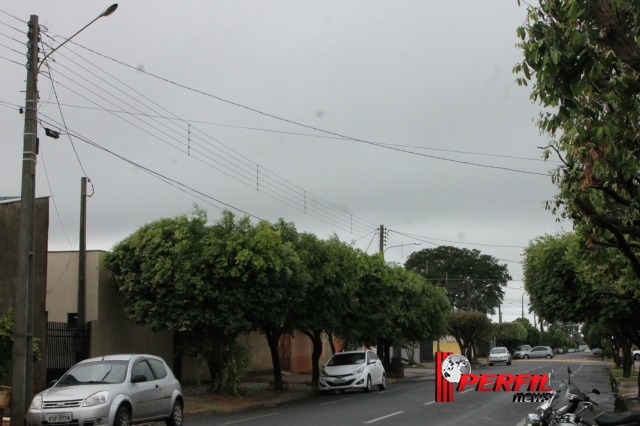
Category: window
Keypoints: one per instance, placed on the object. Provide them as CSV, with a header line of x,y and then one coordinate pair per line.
x,y
538,349
374,356
158,367
346,359
498,351
142,368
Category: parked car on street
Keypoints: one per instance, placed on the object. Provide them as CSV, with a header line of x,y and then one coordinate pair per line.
x,y
538,352
571,351
597,351
558,351
636,355
114,390
519,350
499,354
353,370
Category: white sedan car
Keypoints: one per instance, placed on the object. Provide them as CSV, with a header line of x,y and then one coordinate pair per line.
x,y
499,354
353,370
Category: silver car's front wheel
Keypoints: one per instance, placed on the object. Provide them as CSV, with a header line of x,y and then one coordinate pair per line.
x,y
176,415
123,417
368,388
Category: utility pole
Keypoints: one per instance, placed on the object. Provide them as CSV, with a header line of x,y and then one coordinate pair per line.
x,y
82,285
382,239
522,305
22,368
534,320
468,294
499,314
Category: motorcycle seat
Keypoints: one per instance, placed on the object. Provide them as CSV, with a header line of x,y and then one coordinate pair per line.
x,y
614,419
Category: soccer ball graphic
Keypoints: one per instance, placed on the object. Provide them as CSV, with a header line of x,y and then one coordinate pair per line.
x,y
454,366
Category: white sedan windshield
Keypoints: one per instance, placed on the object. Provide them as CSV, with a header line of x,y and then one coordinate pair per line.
x,y
346,359
498,351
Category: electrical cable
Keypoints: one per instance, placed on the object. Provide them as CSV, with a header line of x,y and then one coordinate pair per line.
x,y
308,134
159,176
251,185
301,124
67,130
14,17
456,242
331,206
55,205
15,62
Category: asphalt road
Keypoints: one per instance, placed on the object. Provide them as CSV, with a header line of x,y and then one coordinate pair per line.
x,y
411,402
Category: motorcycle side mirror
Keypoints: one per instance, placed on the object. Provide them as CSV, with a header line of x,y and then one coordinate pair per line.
x,y
590,408
569,370
596,391
551,375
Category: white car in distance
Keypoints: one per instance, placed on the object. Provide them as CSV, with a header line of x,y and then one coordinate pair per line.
x,y
499,354
353,370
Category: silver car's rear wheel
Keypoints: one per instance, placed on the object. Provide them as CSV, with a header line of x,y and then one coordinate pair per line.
x,y
123,417
176,415
548,357
526,357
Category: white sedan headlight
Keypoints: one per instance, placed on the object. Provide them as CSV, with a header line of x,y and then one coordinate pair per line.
x,y
96,399
36,404
359,370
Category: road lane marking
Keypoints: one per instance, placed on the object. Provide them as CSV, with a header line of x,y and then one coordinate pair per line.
x,y
246,420
469,390
333,402
384,417
428,403
387,391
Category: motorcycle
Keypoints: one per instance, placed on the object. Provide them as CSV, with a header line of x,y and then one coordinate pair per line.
x,y
569,414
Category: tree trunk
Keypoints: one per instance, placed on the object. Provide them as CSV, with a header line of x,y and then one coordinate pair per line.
x,y
272,339
627,361
316,353
332,343
387,350
216,373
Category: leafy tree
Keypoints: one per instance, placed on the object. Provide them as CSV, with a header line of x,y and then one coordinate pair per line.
x,y
215,282
510,334
332,269
467,327
473,280
374,306
262,276
583,58
533,334
566,285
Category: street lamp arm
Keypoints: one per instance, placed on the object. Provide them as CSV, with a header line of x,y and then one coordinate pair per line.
x,y
106,12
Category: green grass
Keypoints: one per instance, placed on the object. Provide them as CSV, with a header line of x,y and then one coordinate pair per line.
x,y
617,373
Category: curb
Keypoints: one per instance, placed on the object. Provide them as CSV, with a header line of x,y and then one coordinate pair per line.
x,y
277,401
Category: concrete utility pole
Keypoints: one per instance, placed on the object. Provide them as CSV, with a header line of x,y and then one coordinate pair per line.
x,y
22,368
83,252
499,314
522,305
382,239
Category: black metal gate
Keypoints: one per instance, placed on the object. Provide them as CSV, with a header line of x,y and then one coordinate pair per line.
x,y
67,344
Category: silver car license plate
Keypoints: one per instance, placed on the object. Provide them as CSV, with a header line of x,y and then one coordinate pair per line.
x,y
59,418
339,380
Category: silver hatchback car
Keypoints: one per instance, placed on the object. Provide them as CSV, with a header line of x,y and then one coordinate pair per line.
x,y
114,390
538,352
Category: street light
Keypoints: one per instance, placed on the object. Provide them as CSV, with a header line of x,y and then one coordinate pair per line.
x,y
106,12
22,368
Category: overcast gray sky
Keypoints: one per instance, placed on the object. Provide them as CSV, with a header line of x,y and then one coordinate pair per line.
x,y
432,75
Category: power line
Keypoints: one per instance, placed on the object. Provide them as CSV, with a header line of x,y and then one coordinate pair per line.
x,y
15,62
455,242
277,198
55,205
301,124
329,205
172,182
14,17
303,134
65,127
